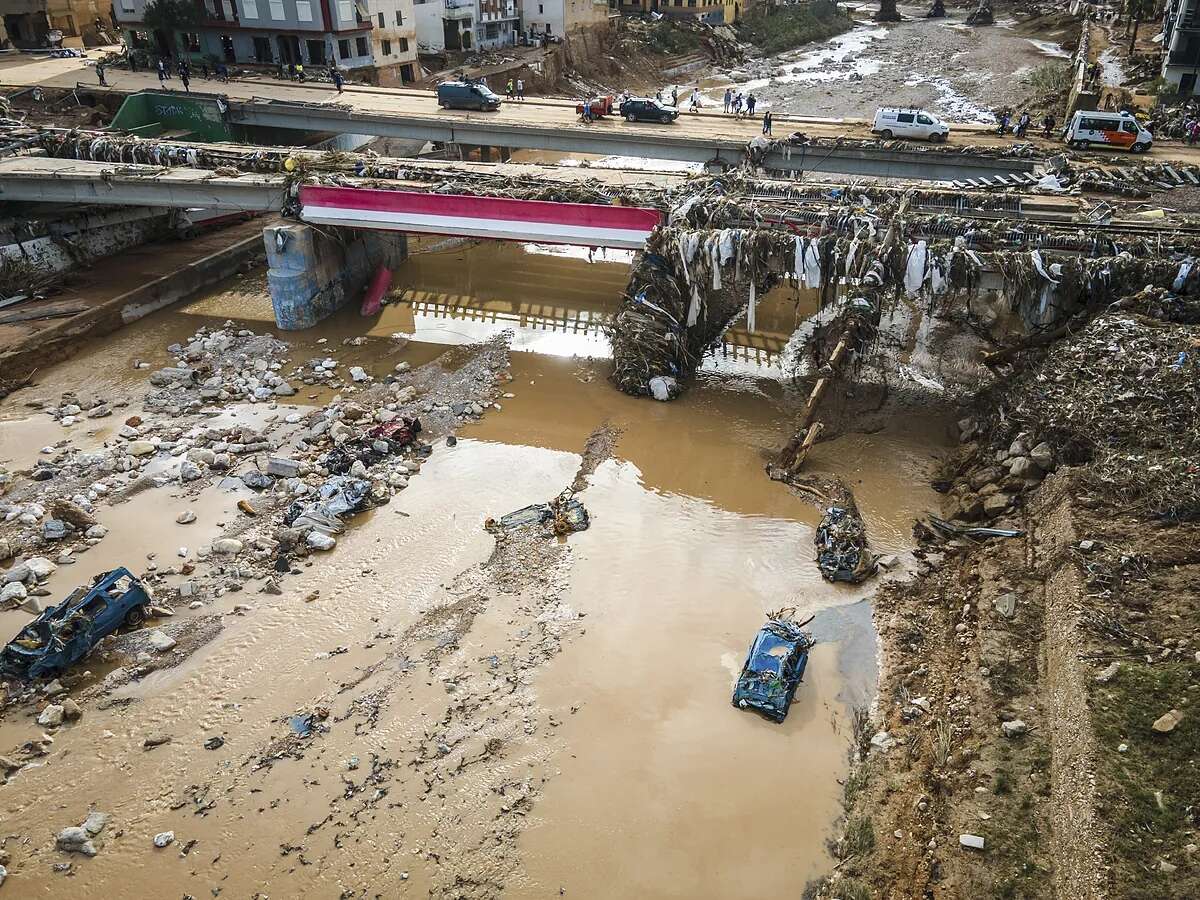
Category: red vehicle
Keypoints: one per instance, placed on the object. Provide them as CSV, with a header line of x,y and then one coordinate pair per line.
x,y
601,107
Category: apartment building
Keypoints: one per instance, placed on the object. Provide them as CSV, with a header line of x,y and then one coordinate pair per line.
x,y
1181,45
346,33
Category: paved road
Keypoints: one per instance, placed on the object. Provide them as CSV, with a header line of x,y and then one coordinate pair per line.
x,y
543,112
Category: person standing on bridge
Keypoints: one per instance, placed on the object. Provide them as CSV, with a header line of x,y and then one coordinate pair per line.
x,y
338,81
728,100
737,105
185,79
520,88
204,69
508,89
162,72
750,101
100,74
767,123
300,72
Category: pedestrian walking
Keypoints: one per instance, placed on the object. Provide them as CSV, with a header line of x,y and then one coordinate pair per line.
x,y
508,89
338,81
728,100
767,123
186,80
300,71
162,71
132,61
587,111
694,104
750,101
675,97
737,105
520,88
204,69
100,74
222,72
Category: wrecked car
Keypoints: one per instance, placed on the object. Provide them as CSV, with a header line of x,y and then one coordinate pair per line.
x,y
842,553
774,667
64,634
563,515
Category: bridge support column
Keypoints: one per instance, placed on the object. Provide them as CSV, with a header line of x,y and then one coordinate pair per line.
x,y
485,153
312,273
505,153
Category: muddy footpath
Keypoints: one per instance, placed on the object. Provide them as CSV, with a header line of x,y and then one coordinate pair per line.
x,y
360,675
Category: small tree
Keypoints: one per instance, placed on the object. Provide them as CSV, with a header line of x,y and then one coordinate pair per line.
x,y
173,16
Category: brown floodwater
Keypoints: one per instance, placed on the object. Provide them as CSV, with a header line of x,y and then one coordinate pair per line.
x,y
657,786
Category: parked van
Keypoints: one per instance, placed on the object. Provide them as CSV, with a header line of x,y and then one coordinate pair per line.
x,y
893,122
1119,130
466,95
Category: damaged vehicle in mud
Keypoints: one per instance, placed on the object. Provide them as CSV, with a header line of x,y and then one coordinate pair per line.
x,y
64,634
774,667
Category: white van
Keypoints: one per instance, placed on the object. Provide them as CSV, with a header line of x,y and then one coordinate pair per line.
x,y
893,122
1119,130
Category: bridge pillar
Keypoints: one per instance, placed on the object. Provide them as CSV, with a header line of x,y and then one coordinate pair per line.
x,y
485,153
312,273
505,153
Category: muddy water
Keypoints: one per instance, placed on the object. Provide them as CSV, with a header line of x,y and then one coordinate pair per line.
x,y
655,786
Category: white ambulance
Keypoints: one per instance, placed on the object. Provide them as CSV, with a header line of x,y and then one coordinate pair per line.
x,y
1096,128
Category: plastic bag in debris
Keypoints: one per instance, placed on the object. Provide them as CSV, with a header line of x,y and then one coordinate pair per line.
x,y
1049,182
339,496
842,553
663,387
564,514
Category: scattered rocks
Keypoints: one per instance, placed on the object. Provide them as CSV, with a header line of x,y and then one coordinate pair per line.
x,y
227,546
1108,673
282,467
972,841
164,839
187,517
141,448
72,711
52,716
156,739
1006,605
95,822
320,541
1166,723
160,641
75,839
1014,728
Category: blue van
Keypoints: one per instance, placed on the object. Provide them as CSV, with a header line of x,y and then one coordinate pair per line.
x,y
467,95
64,634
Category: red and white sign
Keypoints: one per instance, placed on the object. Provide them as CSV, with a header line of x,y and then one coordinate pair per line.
x,y
586,224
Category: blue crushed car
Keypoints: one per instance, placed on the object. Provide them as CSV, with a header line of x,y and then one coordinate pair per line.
x,y
64,634
774,667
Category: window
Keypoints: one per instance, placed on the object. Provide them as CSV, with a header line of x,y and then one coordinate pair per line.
x,y
249,9
191,41
399,17
360,44
127,5
381,25
344,49
924,120
540,9
345,11
316,51
905,118
304,11
403,45
276,9
387,47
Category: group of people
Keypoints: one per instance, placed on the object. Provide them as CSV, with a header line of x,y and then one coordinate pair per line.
x,y
515,89
741,105
1019,128
164,68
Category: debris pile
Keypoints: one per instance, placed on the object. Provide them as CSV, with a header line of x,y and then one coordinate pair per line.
x,y
1121,396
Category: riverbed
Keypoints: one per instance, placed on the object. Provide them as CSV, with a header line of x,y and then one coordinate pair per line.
x,y
614,763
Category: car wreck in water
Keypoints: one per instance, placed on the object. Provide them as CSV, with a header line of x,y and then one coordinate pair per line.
x,y
774,667
64,634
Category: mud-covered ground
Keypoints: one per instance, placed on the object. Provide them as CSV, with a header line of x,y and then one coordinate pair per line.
x,y
959,72
424,707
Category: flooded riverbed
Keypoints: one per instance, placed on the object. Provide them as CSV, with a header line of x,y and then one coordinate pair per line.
x,y
617,767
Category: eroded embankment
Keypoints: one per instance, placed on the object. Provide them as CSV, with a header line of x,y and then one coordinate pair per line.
x,y
1033,735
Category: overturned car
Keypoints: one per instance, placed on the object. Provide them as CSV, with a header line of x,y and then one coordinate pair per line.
x,y
64,634
774,667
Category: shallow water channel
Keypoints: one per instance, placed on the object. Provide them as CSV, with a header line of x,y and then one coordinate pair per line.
x,y
655,785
